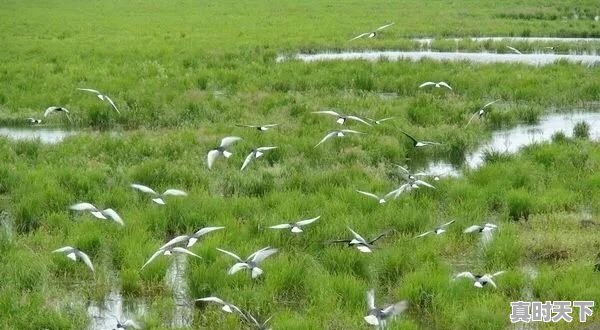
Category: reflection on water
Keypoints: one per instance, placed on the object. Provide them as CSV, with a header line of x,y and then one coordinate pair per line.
x,y
531,59
427,41
182,315
44,135
105,316
510,141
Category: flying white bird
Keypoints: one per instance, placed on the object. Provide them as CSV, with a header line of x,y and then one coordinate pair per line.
x,y
516,51
98,213
255,153
159,198
226,142
419,144
102,97
359,242
261,128
295,226
340,134
436,84
488,227
371,34
380,199
34,121
438,230
75,254
479,280
379,317
227,307
481,112
485,230
53,109
340,118
189,240
380,121
168,251
408,175
251,262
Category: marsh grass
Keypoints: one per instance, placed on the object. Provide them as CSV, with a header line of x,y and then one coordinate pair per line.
x,y
185,80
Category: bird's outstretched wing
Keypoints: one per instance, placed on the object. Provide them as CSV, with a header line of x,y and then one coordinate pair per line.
x,y
113,215
396,308
156,254
89,90
174,192
472,228
410,137
85,259
185,251
357,236
384,26
248,159
262,255
110,101
210,157
231,254
428,83
143,189
368,194
328,112
281,226
359,120
424,234
445,85
327,137
360,36
83,207
464,274
229,140
307,221
514,50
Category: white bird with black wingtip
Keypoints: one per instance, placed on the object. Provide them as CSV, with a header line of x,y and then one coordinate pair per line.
x,y
479,281
168,251
255,153
485,230
158,198
339,134
438,84
373,33
437,230
98,213
380,199
296,227
419,144
75,254
251,263
221,150
227,307
481,112
56,109
379,317
102,97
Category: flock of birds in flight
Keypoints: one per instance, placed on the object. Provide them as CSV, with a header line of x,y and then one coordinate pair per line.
x,y
180,245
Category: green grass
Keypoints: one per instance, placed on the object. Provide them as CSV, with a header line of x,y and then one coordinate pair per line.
x,y
184,73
